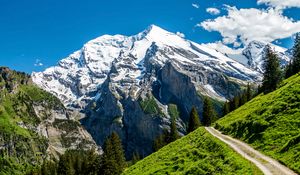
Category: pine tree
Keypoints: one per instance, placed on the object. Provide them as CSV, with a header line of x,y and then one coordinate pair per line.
x,y
194,121
119,151
296,55
157,143
272,74
160,141
48,168
236,102
135,158
209,114
65,164
248,92
173,135
114,159
92,163
243,98
226,108
288,70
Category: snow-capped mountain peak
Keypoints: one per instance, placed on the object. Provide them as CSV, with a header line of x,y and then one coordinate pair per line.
x,y
252,55
254,52
77,78
113,80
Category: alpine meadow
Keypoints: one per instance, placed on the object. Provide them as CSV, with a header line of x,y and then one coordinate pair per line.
x,y
150,87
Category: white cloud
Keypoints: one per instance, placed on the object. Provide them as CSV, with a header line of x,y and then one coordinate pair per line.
x,y
213,11
180,34
219,46
245,25
195,5
38,63
280,4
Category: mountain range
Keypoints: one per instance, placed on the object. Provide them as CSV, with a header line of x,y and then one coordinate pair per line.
x,y
131,84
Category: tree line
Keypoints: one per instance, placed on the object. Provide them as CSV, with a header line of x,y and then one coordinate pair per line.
x,y
273,74
83,162
238,100
194,122
294,65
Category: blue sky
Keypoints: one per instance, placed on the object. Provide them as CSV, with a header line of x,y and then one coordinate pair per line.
x,y
36,34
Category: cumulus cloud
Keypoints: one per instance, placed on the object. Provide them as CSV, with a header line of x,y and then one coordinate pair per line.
x,y
180,34
213,11
280,4
38,63
195,5
244,25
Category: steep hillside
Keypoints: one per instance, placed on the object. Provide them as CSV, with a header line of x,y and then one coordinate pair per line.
x,y
196,153
270,123
34,125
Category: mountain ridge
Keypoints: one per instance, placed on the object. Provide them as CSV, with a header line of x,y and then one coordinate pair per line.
x,y
252,54
112,79
100,64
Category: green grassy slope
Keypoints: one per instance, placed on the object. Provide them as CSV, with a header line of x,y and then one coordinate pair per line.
x,y
196,153
21,147
270,123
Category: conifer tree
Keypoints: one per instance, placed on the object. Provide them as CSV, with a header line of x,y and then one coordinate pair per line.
x,y
248,92
209,114
288,70
48,168
135,157
226,108
272,74
194,121
173,135
167,136
243,98
158,142
65,164
114,159
235,102
296,55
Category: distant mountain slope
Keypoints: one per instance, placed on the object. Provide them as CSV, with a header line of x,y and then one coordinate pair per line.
x,y
34,125
270,123
252,55
196,153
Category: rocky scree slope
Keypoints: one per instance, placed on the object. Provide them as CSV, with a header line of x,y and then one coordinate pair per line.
x,y
126,84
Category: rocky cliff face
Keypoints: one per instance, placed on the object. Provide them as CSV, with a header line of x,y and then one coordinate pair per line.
x,y
34,125
126,84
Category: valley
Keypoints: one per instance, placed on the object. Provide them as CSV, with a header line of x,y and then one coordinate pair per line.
x,y
148,104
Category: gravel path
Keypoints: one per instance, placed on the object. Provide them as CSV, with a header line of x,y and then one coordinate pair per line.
x,y
266,164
